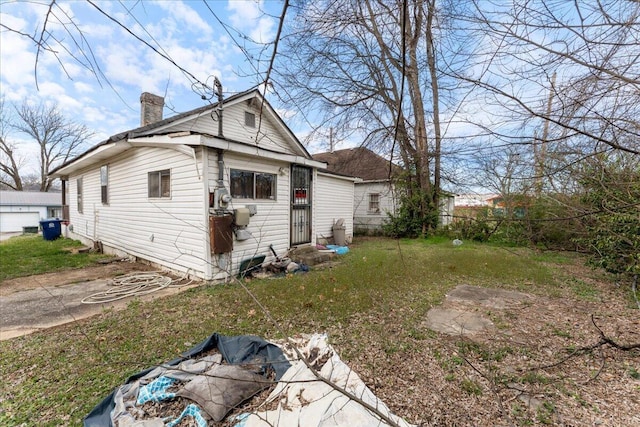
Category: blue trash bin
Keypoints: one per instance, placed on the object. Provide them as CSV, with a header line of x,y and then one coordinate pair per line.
x,y
51,228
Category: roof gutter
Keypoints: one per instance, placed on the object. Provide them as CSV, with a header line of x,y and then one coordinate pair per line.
x,y
222,144
97,154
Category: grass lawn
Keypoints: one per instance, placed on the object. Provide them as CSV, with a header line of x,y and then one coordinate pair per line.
x,y
373,303
30,254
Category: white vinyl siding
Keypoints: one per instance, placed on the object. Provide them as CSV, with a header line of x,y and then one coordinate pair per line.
x,y
270,226
333,201
169,232
364,218
234,128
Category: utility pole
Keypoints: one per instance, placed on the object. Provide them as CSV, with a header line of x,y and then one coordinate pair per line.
x,y
218,87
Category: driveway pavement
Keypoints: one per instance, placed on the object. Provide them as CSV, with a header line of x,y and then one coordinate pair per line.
x,y
40,302
5,236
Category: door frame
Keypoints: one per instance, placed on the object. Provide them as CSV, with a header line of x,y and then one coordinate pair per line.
x,y
301,212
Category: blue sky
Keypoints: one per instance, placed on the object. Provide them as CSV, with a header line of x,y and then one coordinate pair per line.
x,y
186,31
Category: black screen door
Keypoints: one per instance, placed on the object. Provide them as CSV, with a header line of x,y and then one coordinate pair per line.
x,y
300,205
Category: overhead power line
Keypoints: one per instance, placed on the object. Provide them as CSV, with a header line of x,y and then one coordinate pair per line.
x,y
166,57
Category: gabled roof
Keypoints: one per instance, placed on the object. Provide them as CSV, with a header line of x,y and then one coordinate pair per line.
x,y
108,148
359,162
30,198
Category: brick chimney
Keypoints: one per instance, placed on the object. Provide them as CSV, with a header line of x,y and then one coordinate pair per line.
x,y
150,108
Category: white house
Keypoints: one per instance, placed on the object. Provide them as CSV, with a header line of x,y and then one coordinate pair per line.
x,y
20,209
375,195
202,191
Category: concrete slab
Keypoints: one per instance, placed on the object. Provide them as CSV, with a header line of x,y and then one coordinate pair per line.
x,y
456,316
25,311
456,322
488,297
7,236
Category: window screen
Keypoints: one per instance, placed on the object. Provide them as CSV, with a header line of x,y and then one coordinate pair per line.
x,y
79,193
253,185
104,184
374,202
249,119
159,184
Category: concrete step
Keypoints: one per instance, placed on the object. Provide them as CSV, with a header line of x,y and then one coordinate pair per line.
x,y
310,256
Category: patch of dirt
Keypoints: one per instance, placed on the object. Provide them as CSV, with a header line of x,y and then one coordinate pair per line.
x,y
544,363
65,277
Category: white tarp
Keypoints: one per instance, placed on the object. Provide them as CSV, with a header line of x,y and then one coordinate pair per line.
x,y
304,401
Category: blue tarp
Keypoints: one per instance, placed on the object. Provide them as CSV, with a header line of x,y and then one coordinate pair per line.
x,y
340,250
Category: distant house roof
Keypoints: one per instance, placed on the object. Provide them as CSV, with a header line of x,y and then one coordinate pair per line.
x,y
359,162
30,198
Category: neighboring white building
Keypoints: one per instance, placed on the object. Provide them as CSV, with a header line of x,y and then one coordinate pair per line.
x,y
20,209
471,200
202,191
375,195
335,194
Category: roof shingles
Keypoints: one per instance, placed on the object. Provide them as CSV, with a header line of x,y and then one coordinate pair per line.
x,y
30,198
358,162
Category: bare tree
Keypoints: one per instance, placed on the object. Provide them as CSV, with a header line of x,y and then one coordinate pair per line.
x,y
370,70
565,71
58,140
10,160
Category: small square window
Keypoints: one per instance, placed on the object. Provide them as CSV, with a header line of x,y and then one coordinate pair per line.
x,y
159,184
241,184
249,119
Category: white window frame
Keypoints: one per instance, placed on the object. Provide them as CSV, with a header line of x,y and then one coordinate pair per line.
x,y
104,184
79,197
254,176
374,203
158,193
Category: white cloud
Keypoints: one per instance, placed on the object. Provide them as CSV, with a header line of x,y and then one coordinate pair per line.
x,y
185,30
286,114
17,56
68,104
244,12
98,31
248,16
123,63
83,87
189,19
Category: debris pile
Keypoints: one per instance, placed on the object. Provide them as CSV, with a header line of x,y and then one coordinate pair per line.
x,y
245,381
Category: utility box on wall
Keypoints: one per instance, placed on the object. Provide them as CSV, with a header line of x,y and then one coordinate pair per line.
x,y
221,233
